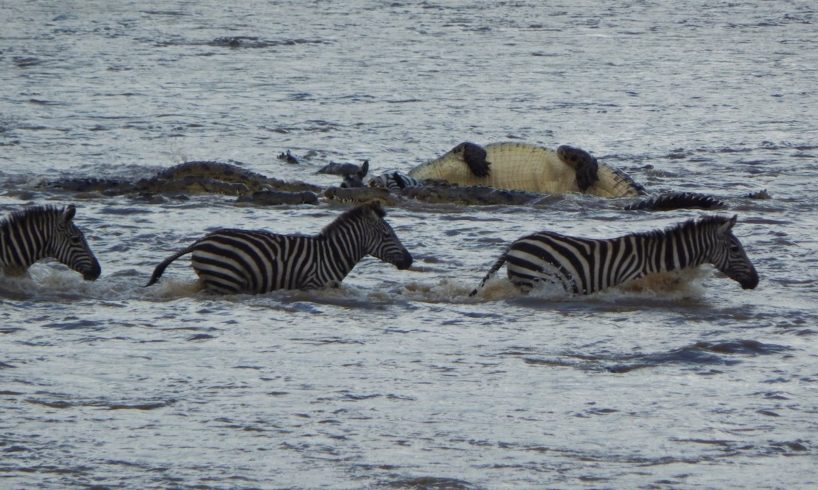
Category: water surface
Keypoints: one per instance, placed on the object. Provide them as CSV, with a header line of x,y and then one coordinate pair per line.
x,y
398,379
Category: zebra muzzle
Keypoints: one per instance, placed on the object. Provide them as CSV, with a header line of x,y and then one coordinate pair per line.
x,y
403,262
93,273
749,282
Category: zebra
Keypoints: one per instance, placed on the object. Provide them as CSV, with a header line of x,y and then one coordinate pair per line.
x,y
585,265
40,232
394,181
243,261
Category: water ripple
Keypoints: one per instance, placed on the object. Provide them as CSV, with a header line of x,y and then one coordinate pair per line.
x,y
399,379
695,355
104,404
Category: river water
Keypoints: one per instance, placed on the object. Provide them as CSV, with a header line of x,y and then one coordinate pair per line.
x,y
398,379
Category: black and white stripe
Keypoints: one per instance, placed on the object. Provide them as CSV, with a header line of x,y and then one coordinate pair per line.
x,y
232,261
584,265
394,181
45,232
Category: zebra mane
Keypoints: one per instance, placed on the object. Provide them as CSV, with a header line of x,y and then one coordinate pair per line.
x,y
353,215
25,215
702,222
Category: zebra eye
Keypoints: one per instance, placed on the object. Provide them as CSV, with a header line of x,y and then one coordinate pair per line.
x,y
76,240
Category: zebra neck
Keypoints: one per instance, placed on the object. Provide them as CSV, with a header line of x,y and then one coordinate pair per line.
x,y
670,250
343,248
14,254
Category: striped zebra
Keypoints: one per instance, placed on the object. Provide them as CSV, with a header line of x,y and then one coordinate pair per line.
x,y
233,261
585,265
394,181
41,232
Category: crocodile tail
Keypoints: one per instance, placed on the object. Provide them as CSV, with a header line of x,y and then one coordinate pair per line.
x,y
157,273
494,268
618,183
677,200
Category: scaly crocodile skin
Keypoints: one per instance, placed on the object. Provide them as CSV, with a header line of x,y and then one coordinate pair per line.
x,y
526,167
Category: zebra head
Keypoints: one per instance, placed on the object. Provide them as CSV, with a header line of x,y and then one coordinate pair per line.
x,y
729,256
67,244
382,241
356,179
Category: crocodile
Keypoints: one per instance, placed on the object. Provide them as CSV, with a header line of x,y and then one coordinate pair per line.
x,y
436,192
582,171
270,197
208,177
529,167
197,177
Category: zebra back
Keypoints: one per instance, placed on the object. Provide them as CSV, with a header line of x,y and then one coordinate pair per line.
x,y
45,232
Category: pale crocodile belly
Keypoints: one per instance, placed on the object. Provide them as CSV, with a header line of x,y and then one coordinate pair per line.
x,y
525,167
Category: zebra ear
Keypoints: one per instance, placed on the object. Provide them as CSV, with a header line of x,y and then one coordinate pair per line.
x,y
69,212
728,225
364,169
